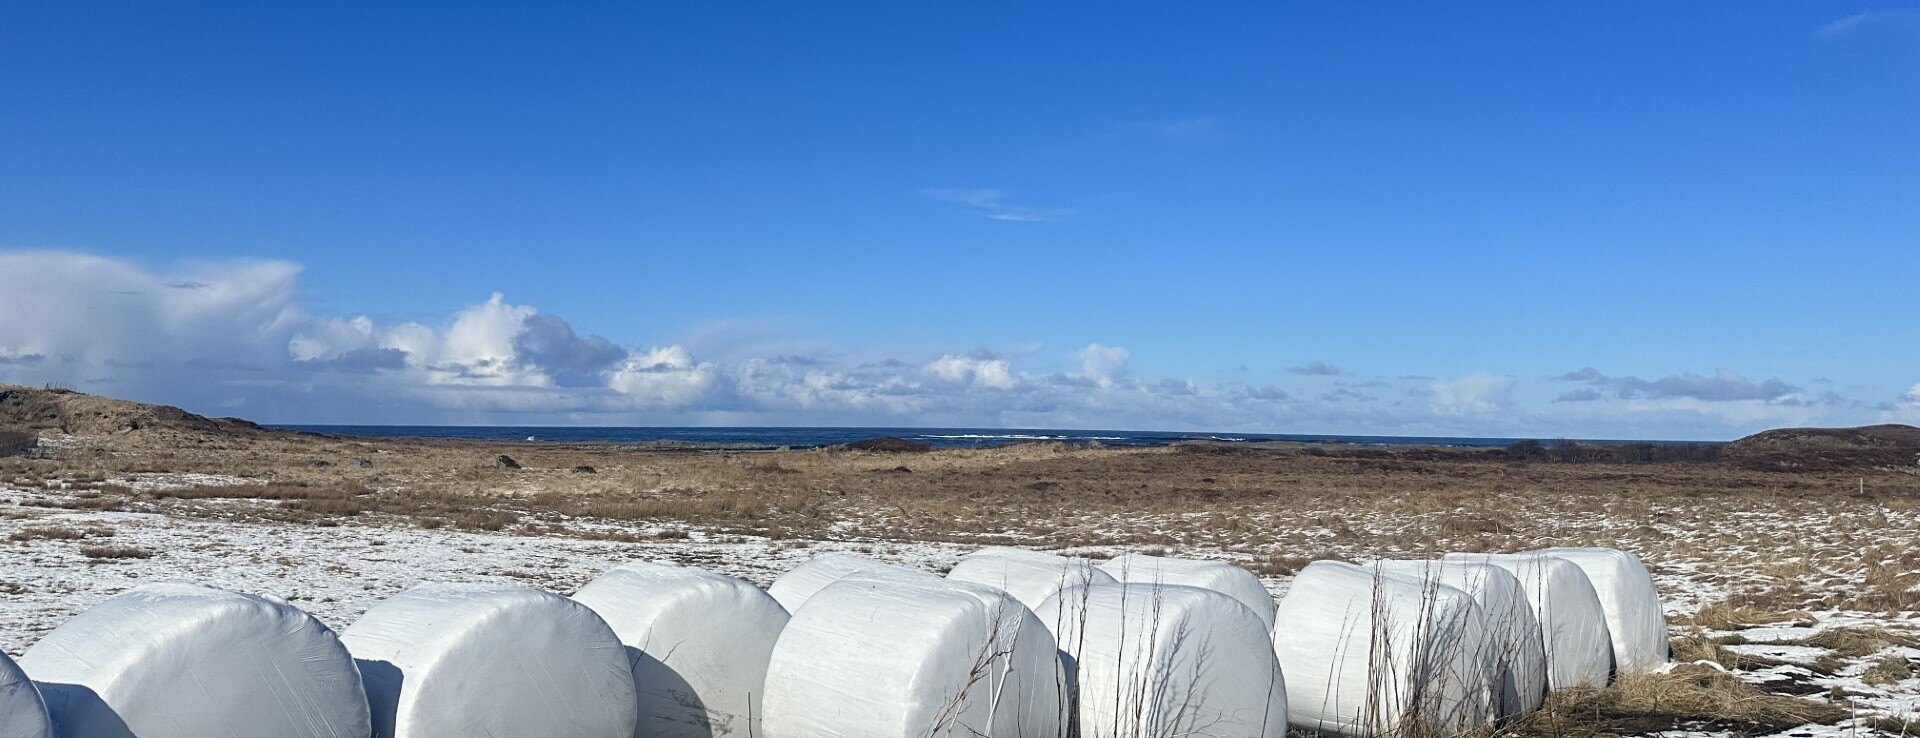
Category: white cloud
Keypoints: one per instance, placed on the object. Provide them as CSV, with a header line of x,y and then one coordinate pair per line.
x,y
1898,20
104,322
979,371
987,202
666,376
1104,364
1473,393
234,338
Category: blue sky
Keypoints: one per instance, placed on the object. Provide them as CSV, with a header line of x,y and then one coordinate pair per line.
x,y
1634,219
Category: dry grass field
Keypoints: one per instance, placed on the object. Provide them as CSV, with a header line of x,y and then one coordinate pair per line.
x,y
1792,592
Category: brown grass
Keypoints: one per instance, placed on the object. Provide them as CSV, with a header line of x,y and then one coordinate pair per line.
x,y
1688,698
1858,641
1271,508
272,491
52,532
1888,670
115,552
1745,613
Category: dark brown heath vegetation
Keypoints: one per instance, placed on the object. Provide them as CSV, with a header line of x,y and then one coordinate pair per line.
x,y
67,411
1828,449
16,443
889,444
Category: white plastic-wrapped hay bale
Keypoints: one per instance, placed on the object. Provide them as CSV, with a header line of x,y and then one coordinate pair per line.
x,y
699,642
1369,653
1030,576
1218,576
886,655
793,588
22,713
1573,626
1634,621
491,659
1521,656
1165,659
186,660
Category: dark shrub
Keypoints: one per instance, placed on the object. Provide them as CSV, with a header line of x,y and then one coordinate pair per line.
x,y
16,443
891,445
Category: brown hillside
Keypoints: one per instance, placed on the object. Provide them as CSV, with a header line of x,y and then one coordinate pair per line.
x,y
80,414
1823,449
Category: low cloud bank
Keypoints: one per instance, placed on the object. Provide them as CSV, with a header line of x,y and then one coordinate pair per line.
x,y
235,338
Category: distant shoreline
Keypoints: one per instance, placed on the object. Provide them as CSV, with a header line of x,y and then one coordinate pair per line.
x,y
770,438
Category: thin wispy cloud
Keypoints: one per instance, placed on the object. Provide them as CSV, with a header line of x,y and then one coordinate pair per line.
x,y
991,203
1902,20
1187,128
1161,130
1316,368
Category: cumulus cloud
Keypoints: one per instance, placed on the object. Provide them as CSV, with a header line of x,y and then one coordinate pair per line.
x,y
1103,364
1473,393
547,340
666,376
1725,385
235,338
75,318
980,369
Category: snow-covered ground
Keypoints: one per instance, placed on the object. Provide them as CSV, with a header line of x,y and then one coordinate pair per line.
x,y
338,572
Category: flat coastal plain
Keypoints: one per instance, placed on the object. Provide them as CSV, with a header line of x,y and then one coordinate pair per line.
x,y
1790,576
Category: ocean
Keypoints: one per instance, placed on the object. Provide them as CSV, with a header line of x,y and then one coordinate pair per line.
x,y
817,437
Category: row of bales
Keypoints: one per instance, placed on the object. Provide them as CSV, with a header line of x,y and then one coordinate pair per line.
x,y
1010,643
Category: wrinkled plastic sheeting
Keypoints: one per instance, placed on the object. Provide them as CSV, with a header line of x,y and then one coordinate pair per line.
x,y
1369,653
793,588
1521,656
890,656
22,713
1030,576
491,660
1634,619
1218,576
1573,626
699,641
1167,660
166,660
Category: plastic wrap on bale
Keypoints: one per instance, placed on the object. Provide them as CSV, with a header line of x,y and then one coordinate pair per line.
x,y
1573,625
1369,653
1167,660
491,660
1218,576
887,655
699,642
1030,576
793,588
1635,622
186,661
23,714
1521,656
